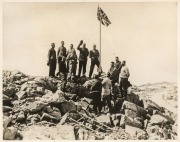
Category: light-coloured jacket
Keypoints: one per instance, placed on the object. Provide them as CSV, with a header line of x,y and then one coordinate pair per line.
x,y
124,72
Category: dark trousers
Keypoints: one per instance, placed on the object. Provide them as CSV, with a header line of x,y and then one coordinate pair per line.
x,y
97,102
82,65
107,99
75,67
52,68
93,63
62,65
124,86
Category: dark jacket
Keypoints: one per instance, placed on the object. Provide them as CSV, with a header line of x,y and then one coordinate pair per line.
x,y
94,54
84,52
51,54
113,74
96,86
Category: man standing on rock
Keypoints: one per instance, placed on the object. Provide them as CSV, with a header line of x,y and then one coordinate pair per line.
x,y
84,52
71,60
96,90
113,75
94,55
52,60
106,91
118,66
124,79
61,56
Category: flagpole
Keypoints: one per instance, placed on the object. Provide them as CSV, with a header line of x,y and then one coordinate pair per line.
x,y
100,40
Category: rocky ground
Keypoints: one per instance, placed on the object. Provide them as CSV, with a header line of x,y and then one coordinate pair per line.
x,y
42,108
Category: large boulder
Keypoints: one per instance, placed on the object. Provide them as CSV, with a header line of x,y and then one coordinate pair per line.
x,y
21,117
130,113
158,119
140,111
10,90
6,121
11,133
56,98
7,101
129,121
67,106
7,109
149,104
133,98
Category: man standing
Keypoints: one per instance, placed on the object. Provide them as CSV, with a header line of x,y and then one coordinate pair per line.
x,y
84,52
118,66
106,91
52,60
61,55
94,55
71,59
113,75
96,90
124,79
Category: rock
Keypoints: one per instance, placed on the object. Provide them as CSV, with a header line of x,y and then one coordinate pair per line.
x,y
40,90
7,101
9,91
159,119
133,98
71,114
140,111
134,131
83,104
152,105
129,121
56,98
21,95
70,96
6,121
6,108
51,86
17,76
130,113
18,82
67,106
24,86
38,107
11,133
88,100
23,80
21,117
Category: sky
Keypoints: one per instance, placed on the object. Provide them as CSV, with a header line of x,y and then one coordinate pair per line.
x,y
143,34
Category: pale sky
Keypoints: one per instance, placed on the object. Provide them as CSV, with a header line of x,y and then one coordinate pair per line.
x,y
143,34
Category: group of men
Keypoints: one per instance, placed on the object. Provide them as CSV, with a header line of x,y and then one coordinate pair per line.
x,y
102,90
67,60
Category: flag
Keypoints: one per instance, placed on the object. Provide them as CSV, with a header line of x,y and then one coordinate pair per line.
x,y
103,17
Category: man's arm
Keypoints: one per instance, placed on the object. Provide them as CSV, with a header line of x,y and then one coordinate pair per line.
x,y
87,52
58,52
78,48
127,72
90,54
